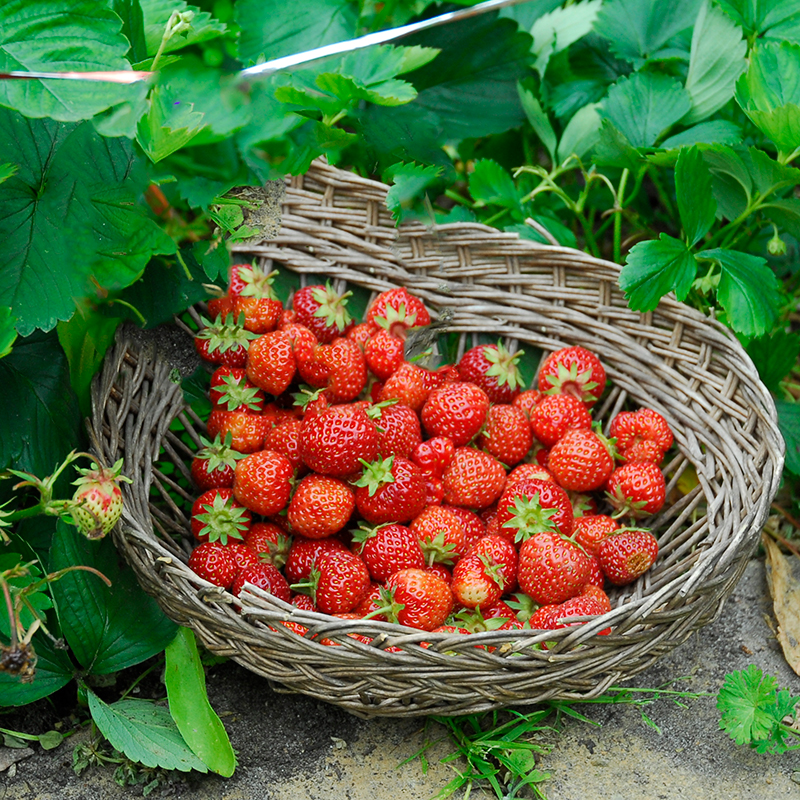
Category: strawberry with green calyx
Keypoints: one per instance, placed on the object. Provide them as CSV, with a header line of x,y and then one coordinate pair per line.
x,y
303,554
320,507
390,490
337,583
582,460
263,576
386,549
532,506
96,504
214,463
256,300
506,435
310,401
455,410
416,598
213,562
262,482
224,341
399,431
555,415
523,606
441,535
396,311
478,582
494,369
473,479
217,516
270,543
230,390
499,551
636,489
246,430
552,568
573,371
627,554
323,311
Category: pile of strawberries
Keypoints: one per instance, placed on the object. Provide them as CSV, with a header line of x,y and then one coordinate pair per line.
x,y
339,476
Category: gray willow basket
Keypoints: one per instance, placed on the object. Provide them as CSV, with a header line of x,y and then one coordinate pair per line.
x,y
687,367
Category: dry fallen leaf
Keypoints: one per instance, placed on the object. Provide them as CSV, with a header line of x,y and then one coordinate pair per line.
x,y
783,577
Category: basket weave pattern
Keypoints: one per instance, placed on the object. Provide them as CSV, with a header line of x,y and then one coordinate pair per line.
x,y
674,360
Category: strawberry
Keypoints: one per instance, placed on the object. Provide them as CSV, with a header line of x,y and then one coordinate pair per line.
x,y
398,427
284,438
573,371
397,310
269,542
555,415
303,554
581,460
262,482
441,571
555,616
507,434
500,552
533,506
256,301
246,431
338,582
230,390
338,367
320,507
526,401
476,582
390,490
360,333
223,341
474,526
213,465
636,489
418,598
455,410
213,562
386,549
551,568
337,440
265,577
493,369
96,503
473,479
217,516
271,363
596,592
627,554
434,454
642,435
440,533
235,281
434,489
522,471
242,555
219,306
323,311
406,385
591,529
383,353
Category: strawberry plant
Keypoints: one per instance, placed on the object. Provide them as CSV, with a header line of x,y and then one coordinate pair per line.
x,y
663,138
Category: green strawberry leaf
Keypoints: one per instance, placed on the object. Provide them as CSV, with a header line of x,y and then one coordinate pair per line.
x,y
696,204
374,65
637,29
410,181
581,133
130,12
774,356
144,732
613,149
8,334
38,599
655,267
168,125
203,26
748,291
730,180
558,29
38,408
717,131
107,627
490,184
717,59
70,216
786,215
643,106
789,424
769,19
538,118
60,36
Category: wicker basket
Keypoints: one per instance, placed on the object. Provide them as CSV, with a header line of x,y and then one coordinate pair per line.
x,y
674,360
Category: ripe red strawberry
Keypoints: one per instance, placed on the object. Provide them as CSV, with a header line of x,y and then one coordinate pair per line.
x,y
235,282
434,454
220,306
501,552
223,341
320,507
589,530
284,438
522,471
493,369
406,385
555,415
455,410
213,562
360,333
213,464
256,300
397,310
418,599
390,490
533,506
265,577
627,554
245,430
336,441
528,400
398,427
636,489
97,501
507,434
339,582
271,363
581,460
473,479
596,592
642,435
242,555
303,554
551,568
339,368
384,353
477,582
323,311
386,549
434,489
474,526
217,516
230,390
262,482
440,533
269,542
553,617
573,371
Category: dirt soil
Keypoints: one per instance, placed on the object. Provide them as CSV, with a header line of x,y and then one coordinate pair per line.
x,y
291,747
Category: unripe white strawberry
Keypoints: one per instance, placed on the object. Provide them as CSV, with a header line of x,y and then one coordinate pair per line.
x,y
97,502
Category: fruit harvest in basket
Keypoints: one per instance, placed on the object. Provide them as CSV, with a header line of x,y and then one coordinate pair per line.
x,y
342,477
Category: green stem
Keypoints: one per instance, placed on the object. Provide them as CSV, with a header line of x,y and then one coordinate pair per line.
x,y
618,216
787,158
460,199
496,216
